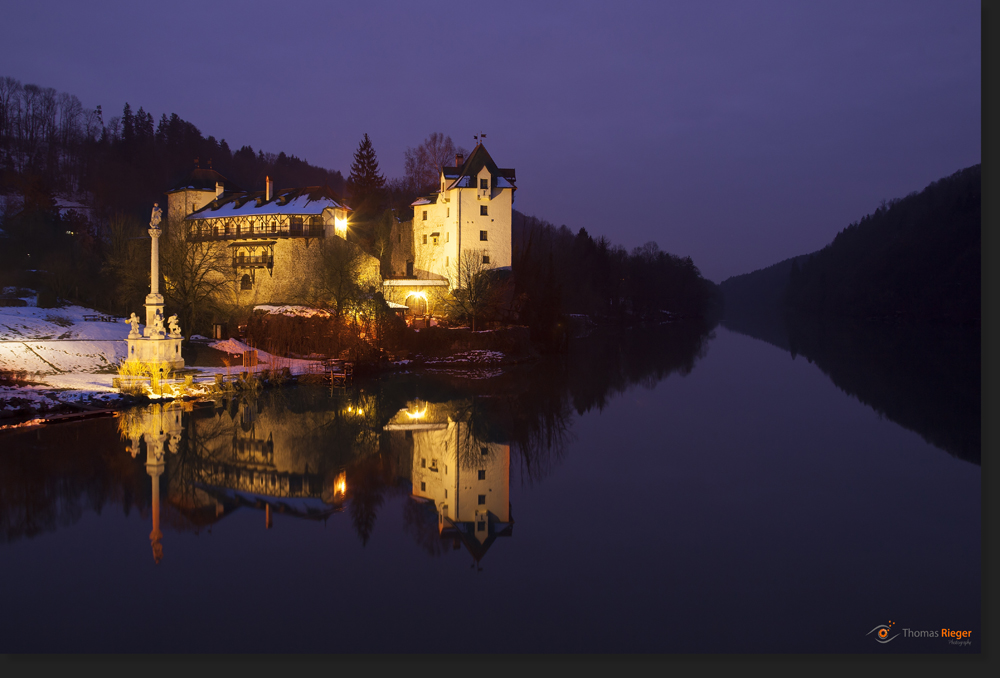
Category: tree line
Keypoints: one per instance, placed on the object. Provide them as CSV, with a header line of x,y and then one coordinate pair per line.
x,y
559,273
917,257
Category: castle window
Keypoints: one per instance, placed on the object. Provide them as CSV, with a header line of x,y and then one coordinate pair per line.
x,y
484,451
245,282
486,258
482,235
425,215
447,261
424,240
447,236
274,226
481,526
482,499
447,212
482,211
423,487
484,184
482,474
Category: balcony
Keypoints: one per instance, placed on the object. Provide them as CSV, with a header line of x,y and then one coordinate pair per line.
x,y
253,261
206,233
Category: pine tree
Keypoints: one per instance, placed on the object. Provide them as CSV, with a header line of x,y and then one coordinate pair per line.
x,y
365,183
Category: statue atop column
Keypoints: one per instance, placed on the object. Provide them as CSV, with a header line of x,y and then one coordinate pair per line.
x,y
153,345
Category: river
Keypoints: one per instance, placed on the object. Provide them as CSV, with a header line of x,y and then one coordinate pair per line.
x,y
676,490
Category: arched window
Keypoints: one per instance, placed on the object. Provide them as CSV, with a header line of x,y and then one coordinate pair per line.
x,y
245,283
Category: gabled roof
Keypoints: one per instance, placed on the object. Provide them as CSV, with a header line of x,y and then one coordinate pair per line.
x,y
203,180
479,158
311,200
466,175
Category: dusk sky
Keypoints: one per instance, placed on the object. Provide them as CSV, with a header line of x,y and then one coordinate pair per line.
x,y
739,133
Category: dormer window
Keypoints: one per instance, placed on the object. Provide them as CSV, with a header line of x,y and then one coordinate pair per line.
x,y
484,184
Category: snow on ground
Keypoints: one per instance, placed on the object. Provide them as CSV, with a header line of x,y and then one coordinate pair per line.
x,y
58,340
301,311
267,360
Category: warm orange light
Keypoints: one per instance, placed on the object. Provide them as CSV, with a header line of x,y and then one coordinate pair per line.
x,y
340,485
417,415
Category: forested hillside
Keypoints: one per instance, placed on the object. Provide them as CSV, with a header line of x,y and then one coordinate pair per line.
x,y
917,257
51,145
559,272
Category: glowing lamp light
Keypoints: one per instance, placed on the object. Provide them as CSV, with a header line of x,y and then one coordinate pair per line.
x,y
340,226
418,295
340,485
417,415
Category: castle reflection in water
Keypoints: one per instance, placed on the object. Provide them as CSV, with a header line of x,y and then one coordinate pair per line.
x,y
215,457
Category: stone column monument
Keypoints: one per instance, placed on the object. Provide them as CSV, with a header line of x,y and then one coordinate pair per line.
x,y
154,345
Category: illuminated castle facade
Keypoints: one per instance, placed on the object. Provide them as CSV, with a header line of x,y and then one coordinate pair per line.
x,y
274,238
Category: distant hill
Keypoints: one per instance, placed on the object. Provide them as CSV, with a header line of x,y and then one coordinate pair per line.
x,y
761,292
917,257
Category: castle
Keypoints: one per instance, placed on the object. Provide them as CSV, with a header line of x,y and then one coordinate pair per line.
x,y
275,237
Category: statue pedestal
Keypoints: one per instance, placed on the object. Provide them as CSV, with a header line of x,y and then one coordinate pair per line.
x,y
154,307
156,350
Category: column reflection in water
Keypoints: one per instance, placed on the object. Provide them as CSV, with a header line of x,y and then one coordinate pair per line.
x,y
227,455
465,479
160,427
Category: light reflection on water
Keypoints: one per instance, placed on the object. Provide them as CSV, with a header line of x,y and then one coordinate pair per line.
x,y
678,493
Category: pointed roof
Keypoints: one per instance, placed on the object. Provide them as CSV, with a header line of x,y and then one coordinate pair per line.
x,y
460,176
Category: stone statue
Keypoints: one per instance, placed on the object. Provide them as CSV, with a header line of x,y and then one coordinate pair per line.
x,y
158,325
134,321
154,220
175,329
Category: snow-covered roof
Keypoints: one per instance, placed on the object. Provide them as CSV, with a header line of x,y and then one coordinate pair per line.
x,y
303,201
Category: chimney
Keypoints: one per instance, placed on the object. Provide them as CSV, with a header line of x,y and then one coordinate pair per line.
x,y
269,189
218,188
459,159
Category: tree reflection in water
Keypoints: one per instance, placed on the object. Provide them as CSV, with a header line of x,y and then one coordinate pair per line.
x,y
446,442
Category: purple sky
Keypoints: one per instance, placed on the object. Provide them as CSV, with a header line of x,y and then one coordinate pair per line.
x,y
739,133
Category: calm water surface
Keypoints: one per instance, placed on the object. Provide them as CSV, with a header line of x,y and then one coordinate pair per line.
x,y
668,493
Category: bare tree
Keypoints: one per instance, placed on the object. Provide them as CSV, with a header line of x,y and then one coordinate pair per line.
x,y
194,275
125,262
344,272
477,287
423,164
